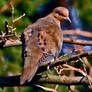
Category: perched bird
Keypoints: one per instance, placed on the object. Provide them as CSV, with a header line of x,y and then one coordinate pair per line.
x,y
42,42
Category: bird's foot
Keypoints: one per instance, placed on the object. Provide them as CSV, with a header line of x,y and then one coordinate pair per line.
x,y
48,66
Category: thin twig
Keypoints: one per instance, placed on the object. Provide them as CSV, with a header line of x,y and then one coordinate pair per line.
x,y
5,36
46,89
18,18
56,87
70,59
84,62
11,3
75,69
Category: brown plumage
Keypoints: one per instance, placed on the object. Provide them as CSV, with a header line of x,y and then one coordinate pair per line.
x,y
42,42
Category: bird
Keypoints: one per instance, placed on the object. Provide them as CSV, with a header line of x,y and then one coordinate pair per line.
x,y
42,42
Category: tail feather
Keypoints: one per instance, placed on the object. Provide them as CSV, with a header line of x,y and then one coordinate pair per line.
x,y
28,74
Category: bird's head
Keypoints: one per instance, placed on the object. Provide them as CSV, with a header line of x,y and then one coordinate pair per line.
x,y
61,13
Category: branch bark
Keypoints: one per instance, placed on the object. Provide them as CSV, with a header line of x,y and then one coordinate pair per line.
x,y
10,43
78,32
70,59
77,41
11,81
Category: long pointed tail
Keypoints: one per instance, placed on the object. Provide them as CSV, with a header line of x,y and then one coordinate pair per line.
x,y
28,73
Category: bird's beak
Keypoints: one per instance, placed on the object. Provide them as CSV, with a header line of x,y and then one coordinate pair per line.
x,y
68,19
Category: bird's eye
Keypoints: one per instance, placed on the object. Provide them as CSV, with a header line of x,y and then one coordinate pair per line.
x,y
60,13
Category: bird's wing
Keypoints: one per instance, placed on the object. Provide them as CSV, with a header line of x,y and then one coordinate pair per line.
x,y
34,52
29,54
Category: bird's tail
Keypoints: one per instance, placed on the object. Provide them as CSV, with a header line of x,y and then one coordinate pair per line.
x,y
28,73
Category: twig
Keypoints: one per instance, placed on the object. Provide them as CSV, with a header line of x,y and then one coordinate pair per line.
x,y
11,3
70,59
5,36
56,87
84,59
46,89
14,20
71,51
18,18
84,62
75,69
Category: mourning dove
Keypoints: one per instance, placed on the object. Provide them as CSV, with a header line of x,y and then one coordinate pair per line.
x,y
42,42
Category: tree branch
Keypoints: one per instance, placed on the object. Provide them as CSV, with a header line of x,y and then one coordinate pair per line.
x,y
70,59
10,43
11,81
78,32
77,41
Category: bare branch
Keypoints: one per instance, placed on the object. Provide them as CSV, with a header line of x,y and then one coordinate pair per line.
x,y
6,36
70,59
18,18
77,41
11,81
74,57
12,6
78,32
10,43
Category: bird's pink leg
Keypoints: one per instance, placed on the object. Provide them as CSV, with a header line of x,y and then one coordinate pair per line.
x,y
48,66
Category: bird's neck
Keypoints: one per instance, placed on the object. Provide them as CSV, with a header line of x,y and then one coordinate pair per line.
x,y
56,20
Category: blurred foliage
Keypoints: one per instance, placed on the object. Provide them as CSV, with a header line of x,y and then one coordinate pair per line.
x,y
10,58
85,12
